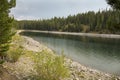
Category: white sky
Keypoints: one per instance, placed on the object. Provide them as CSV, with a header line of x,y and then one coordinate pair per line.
x,y
44,9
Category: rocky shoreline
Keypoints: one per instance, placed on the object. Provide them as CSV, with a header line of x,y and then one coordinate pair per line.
x,y
116,36
77,71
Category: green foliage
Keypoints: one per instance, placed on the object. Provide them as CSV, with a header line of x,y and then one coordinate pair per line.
x,y
85,28
50,67
2,61
17,39
114,3
6,26
106,21
15,50
14,53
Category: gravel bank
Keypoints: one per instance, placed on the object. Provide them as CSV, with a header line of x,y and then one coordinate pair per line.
x,y
78,71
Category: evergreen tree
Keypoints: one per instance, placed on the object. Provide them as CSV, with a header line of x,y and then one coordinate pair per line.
x,y
106,21
6,25
114,3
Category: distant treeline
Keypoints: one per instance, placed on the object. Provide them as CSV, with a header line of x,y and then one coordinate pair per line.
x,y
100,22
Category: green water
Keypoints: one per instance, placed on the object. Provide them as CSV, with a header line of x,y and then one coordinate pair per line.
x,y
98,53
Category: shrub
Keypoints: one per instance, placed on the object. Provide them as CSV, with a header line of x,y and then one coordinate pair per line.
x,y
14,53
1,61
15,50
50,67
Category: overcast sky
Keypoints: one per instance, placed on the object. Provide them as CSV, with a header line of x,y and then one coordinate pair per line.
x,y
44,9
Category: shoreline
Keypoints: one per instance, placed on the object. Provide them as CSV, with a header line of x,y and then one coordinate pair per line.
x,y
76,67
77,71
116,36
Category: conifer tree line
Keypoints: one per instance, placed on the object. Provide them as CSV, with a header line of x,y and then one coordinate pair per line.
x,y
6,25
107,21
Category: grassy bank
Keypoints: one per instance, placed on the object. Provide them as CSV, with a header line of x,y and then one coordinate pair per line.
x,y
36,64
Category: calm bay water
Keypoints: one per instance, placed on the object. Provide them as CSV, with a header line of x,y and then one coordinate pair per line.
x,y
99,53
